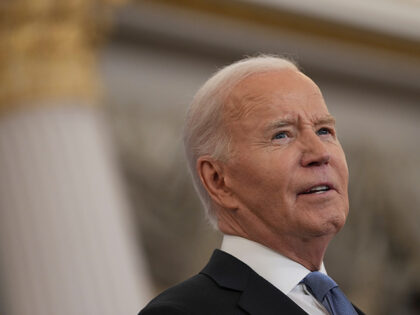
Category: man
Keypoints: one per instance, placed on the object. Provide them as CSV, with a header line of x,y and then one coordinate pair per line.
x,y
266,161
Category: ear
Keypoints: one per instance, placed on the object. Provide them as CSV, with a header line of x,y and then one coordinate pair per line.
x,y
211,173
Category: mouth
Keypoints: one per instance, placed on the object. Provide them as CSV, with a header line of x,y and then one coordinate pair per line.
x,y
317,189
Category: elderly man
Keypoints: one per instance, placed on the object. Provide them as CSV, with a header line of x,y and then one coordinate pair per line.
x,y
271,173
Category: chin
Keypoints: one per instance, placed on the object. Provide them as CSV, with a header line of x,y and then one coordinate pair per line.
x,y
327,226
335,224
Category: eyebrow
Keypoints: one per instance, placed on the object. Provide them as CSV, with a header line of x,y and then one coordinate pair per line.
x,y
280,123
326,120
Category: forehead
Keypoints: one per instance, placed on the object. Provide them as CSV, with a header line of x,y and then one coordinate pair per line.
x,y
285,91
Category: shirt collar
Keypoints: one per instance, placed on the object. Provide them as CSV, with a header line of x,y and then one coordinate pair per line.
x,y
282,272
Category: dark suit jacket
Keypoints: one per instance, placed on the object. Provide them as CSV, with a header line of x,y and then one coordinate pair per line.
x,y
226,286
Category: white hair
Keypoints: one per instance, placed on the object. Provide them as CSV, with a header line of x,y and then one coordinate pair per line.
x,y
204,133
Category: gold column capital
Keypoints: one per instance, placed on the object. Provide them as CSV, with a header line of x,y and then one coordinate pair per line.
x,y
48,48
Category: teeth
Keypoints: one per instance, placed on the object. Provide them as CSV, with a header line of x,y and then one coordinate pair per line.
x,y
318,189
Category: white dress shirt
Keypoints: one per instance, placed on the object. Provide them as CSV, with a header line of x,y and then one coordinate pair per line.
x,y
282,272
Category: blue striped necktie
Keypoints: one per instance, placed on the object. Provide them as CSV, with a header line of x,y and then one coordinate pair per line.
x,y
327,292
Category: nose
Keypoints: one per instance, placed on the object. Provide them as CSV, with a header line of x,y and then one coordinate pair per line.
x,y
314,151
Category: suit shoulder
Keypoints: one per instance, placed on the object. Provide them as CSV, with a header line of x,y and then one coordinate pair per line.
x,y
197,295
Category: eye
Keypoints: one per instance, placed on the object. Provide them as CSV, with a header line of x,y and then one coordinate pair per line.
x,y
323,131
281,135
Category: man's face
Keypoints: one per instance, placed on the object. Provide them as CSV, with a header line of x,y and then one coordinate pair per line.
x,y
287,169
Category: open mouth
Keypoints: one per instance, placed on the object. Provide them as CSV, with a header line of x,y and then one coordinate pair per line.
x,y
319,189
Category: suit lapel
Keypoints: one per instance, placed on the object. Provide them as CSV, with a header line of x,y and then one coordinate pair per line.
x,y
259,297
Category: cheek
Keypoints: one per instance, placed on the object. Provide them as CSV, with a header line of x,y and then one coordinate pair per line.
x,y
262,182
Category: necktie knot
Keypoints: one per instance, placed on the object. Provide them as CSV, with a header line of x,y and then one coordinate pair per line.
x,y
327,292
319,284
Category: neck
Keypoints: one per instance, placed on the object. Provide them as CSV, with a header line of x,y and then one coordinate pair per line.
x,y
307,251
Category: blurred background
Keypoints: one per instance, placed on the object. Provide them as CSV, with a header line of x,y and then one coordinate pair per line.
x,y
97,210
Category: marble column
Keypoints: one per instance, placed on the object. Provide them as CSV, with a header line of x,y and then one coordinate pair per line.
x,y
67,241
